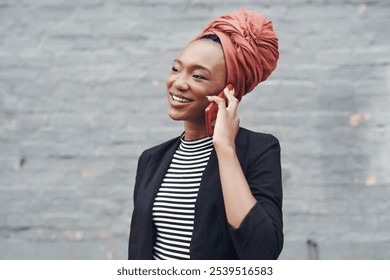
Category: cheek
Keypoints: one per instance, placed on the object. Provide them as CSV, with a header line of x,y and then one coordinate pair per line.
x,y
202,104
169,81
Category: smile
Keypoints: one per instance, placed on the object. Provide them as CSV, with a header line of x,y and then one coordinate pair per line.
x,y
180,99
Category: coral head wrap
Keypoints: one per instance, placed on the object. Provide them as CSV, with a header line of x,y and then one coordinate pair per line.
x,y
250,48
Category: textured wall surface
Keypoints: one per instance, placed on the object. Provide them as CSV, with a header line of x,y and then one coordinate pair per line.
x,y
82,95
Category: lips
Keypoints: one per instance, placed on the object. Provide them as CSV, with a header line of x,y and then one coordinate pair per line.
x,y
180,99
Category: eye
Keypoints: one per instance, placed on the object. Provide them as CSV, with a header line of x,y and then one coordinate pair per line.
x,y
197,76
174,69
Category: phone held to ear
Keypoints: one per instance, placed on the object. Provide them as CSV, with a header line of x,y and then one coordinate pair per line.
x,y
212,111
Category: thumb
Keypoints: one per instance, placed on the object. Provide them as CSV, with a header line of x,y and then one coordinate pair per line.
x,y
219,100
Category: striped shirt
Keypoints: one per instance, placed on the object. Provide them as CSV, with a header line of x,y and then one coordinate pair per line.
x,y
174,205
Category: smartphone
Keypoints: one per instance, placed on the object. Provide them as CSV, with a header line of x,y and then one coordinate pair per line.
x,y
212,111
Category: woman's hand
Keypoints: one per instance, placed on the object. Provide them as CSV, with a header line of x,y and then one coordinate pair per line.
x,y
237,195
228,122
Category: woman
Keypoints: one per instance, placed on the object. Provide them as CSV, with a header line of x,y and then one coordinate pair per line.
x,y
219,197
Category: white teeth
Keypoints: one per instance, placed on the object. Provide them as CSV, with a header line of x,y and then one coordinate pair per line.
x,y
179,99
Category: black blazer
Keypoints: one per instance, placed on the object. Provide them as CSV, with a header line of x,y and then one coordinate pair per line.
x,y
260,235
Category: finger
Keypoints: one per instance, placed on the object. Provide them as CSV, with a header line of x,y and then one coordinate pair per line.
x,y
232,100
220,101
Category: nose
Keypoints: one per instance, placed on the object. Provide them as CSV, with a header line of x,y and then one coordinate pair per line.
x,y
181,82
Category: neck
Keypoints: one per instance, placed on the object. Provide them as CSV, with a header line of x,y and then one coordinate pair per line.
x,y
194,130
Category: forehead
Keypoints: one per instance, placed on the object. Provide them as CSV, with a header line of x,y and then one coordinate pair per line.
x,y
204,52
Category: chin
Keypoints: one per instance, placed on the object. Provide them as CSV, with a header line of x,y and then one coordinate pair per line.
x,y
175,117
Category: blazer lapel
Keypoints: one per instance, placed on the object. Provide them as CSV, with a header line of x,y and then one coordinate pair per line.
x,y
209,208
157,168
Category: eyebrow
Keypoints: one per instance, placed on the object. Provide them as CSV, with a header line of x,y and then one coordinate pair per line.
x,y
196,66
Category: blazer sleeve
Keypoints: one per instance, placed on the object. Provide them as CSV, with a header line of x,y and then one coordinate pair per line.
x,y
260,234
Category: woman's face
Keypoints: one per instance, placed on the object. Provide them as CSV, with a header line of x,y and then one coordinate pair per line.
x,y
199,70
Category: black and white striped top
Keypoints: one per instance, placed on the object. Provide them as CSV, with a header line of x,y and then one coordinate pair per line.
x,y
174,205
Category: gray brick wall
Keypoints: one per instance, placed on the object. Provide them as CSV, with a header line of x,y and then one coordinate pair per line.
x,y
82,95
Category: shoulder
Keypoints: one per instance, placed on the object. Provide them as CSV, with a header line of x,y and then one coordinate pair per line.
x,y
256,149
249,138
160,149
